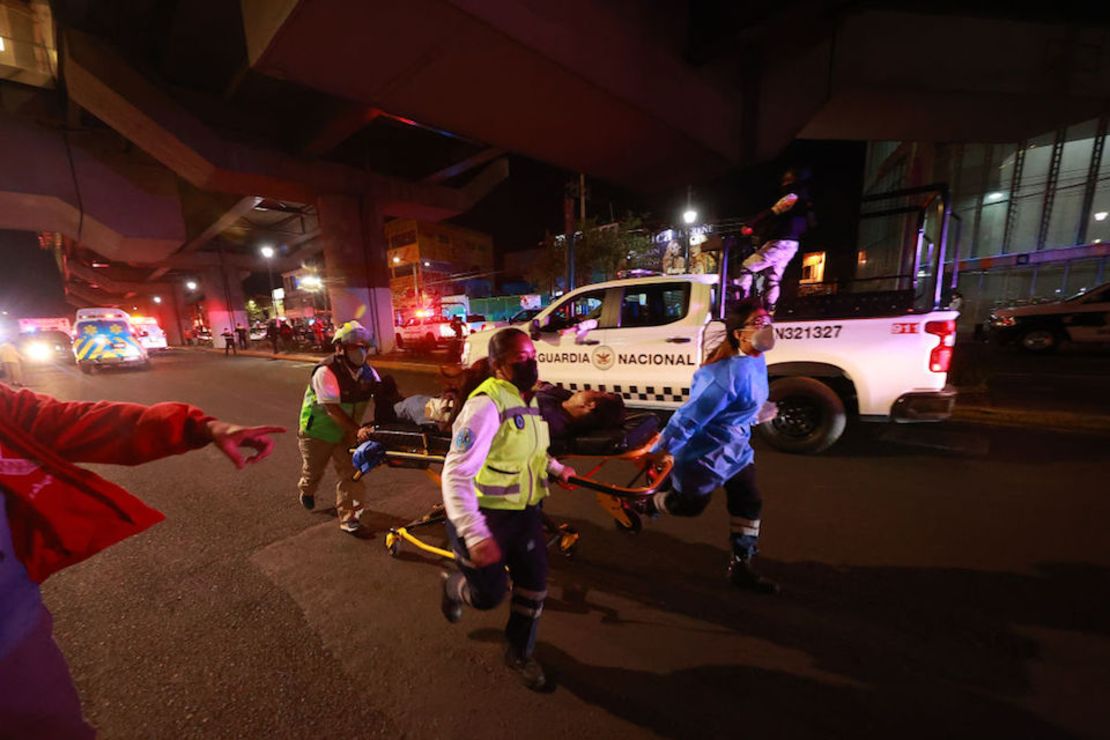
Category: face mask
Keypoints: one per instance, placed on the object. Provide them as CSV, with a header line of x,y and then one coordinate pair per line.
x,y
524,375
763,339
356,356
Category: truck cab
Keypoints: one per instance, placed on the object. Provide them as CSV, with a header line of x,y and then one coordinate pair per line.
x,y
876,346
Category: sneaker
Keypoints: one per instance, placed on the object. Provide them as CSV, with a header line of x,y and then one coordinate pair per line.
x,y
530,671
308,501
451,605
742,575
351,526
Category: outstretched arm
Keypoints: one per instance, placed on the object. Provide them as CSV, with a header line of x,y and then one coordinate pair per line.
x,y
126,433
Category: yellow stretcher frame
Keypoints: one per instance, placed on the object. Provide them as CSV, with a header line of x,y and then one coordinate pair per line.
x,y
612,498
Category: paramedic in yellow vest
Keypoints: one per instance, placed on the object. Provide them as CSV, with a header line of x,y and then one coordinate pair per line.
x,y
494,478
334,403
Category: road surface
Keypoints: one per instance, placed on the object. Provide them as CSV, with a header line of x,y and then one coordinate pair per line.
x,y
940,581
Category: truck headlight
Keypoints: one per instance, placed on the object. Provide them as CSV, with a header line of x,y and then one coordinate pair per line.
x,y
39,351
1002,321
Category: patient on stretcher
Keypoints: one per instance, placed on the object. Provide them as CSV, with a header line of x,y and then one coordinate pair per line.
x,y
592,421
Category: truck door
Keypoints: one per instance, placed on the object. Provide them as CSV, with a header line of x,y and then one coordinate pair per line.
x,y
654,347
565,350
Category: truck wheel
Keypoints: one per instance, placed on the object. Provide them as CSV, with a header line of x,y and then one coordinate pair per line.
x,y
400,341
429,343
811,416
1039,340
86,369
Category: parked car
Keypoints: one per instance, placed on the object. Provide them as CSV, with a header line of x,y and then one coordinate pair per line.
x,y
1083,318
428,332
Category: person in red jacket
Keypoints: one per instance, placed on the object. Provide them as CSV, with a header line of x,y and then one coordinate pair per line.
x,y
55,514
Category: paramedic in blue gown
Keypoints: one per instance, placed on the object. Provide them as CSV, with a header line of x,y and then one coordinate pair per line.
x,y
709,438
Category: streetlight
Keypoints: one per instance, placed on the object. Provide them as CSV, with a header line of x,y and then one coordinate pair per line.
x,y
191,285
268,254
157,299
689,216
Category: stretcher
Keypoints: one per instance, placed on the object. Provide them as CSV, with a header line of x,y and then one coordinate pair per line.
x,y
425,448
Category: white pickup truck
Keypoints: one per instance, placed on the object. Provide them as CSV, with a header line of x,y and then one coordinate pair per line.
x,y
879,355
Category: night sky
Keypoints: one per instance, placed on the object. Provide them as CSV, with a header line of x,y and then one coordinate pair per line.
x,y
30,284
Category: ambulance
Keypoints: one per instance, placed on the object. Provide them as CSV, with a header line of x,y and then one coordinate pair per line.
x,y
150,334
104,337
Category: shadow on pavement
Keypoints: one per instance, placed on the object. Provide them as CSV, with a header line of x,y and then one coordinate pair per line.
x,y
935,651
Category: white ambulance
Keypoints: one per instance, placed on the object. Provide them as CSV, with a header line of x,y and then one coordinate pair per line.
x,y
879,354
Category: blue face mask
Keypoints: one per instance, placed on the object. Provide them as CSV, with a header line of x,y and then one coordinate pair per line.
x,y
356,356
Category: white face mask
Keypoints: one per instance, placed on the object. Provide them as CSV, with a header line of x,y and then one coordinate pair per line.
x,y
763,340
760,340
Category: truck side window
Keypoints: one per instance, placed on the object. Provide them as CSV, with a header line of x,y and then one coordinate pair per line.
x,y
654,305
572,312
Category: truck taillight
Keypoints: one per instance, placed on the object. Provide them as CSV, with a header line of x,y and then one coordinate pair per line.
x,y
941,356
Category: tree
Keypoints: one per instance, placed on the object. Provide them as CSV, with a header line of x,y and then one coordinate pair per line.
x,y
548,269
603,250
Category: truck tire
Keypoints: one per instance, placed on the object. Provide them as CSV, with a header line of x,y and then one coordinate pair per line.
x,y
400,341
811,416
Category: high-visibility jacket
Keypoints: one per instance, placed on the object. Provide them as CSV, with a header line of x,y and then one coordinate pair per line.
x,y
354,395
514,474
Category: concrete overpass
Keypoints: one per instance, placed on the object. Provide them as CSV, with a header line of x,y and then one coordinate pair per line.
x,y
191,131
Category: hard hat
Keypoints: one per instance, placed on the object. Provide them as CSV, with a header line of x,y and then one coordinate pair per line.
x,y
351,333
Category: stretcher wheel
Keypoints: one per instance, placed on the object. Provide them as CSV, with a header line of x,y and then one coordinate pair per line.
x,y
635,524
392,544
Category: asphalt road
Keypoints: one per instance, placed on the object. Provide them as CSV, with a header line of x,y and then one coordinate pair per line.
x,y
942,581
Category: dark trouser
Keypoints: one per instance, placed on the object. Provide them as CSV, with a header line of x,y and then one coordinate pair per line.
x,y
37,695
744,507
519,534
229,346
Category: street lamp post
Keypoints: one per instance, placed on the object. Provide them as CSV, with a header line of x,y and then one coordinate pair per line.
x,y
268,254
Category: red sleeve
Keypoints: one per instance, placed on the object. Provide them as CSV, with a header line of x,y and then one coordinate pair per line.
x,y
104,431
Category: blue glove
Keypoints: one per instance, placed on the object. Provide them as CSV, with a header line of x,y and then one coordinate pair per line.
x,y
368,455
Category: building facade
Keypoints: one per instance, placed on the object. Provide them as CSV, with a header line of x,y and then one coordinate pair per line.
x,y
1032,217
430,260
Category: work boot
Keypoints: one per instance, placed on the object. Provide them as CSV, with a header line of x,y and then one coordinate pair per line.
x,y
742,575
530,671
450,603
308,501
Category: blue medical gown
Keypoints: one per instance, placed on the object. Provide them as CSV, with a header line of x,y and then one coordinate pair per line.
x,y
710,435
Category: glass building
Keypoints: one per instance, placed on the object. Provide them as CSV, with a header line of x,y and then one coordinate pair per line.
x,y
1033,216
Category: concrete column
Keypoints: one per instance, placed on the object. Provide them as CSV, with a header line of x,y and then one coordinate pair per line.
x,y
224,303
175,317
355,269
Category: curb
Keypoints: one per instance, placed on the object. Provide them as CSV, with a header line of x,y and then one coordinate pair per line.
x,y
1068,421
415,367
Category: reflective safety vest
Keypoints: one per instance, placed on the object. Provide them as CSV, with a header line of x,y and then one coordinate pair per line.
x,y
514,474
354,395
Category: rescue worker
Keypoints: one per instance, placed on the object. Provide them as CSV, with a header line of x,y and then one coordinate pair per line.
x,y
788,218
709,438
12,360
335,400
229,342
494,479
